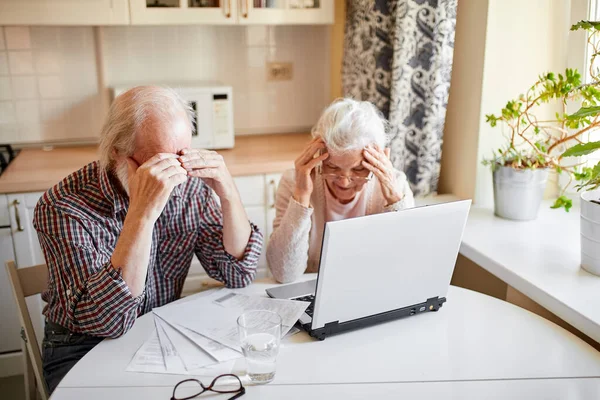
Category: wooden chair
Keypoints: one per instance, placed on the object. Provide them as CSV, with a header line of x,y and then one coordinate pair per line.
x,y
29,282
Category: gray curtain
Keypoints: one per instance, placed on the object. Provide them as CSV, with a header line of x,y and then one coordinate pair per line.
x,y
398,55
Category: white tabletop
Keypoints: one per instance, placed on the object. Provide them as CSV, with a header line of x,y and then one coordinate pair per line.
x,y
547,389
473,337
540,259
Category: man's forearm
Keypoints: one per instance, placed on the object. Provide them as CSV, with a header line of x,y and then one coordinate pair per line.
x,y
236,228
132,253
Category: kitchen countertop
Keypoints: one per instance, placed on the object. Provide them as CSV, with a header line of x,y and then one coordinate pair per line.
x,y
37,170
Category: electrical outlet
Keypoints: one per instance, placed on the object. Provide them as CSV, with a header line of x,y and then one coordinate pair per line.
x,y
279,71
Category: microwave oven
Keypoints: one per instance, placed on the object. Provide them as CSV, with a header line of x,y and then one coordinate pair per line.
x,y
213,113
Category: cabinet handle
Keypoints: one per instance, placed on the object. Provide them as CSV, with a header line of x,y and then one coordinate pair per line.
x,y
17,216
274,189
245,12
228,12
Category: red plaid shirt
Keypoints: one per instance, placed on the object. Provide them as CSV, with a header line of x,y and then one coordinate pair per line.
x,y
79,221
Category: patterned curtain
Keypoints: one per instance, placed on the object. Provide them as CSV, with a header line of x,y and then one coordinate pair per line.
x,y
398,55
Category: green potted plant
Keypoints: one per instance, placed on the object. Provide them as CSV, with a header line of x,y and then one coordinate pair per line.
x,y
589,177
535,146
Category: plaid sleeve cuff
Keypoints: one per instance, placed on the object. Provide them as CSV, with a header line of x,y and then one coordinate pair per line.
x,y
105,306
240,273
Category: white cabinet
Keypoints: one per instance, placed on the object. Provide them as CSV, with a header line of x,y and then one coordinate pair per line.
x,y
27,249
272,184
183,12
165,12
227,12
64,12
282,12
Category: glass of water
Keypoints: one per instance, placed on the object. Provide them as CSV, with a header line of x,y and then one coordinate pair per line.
x,y
260,335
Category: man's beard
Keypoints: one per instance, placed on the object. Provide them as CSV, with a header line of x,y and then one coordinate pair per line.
x,y
122,174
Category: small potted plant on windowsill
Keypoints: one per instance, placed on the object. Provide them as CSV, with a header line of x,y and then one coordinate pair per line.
x,y
520,169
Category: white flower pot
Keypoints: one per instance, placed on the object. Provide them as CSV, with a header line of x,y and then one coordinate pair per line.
x,y
590,232
518,193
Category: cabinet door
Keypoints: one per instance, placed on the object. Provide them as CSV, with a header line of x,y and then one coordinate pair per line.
x,y
10,327
27,248
272,184
280,12
64,12
184,12
258,216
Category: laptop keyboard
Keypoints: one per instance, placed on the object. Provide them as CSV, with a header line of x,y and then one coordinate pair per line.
x,y
310,298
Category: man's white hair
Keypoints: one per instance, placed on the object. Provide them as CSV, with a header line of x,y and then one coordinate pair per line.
x,y
348,125
129,114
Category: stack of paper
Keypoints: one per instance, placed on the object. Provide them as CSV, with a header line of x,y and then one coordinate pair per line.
x,y
198,335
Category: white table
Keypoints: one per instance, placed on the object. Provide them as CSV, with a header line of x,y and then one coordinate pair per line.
x,y
475,343
540,259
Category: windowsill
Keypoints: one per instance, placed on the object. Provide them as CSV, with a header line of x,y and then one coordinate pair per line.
x,y
539,258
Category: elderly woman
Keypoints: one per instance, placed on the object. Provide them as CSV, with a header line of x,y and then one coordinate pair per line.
x,y
344,172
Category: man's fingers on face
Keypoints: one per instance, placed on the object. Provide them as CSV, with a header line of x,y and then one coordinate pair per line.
x,y
172,170
155,159
199,159
164,164
199,164
191,154
204,173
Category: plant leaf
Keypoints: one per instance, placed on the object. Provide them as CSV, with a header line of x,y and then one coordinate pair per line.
x,y
585,112
563,202
581,149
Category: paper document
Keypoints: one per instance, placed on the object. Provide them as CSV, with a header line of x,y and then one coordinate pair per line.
x,y
218,351
215,315
191,356
149,359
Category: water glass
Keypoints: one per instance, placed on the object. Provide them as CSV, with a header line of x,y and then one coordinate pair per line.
x,y
260,336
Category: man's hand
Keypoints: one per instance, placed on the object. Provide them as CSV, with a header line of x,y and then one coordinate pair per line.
x,y
151,184
209,166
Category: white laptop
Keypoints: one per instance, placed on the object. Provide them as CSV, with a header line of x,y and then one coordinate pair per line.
x,y
381,267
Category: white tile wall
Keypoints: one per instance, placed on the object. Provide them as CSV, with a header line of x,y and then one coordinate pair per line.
x,y
17,37
48,84
234,56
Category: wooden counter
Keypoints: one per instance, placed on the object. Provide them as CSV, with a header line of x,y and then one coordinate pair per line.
x,y
37,170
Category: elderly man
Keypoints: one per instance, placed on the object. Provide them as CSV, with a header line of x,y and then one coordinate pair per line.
x,y
119,235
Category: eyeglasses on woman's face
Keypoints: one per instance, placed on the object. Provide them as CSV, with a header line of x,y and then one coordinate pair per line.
x,y
227,383
358,175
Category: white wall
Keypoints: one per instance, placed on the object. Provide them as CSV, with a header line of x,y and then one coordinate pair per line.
x,y
48,84
523,39
53,80
235,56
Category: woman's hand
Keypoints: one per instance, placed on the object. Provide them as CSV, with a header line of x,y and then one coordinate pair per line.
x,y
378,161
304,167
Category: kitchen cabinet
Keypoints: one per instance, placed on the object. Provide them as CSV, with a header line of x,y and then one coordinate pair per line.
x,y
64,12
285,12
229,12
183,12
27,249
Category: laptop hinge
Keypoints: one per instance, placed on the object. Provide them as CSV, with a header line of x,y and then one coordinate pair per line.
x,y
331,328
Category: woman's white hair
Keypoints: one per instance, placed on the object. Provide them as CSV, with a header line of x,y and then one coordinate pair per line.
x,y
348,125
130,113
